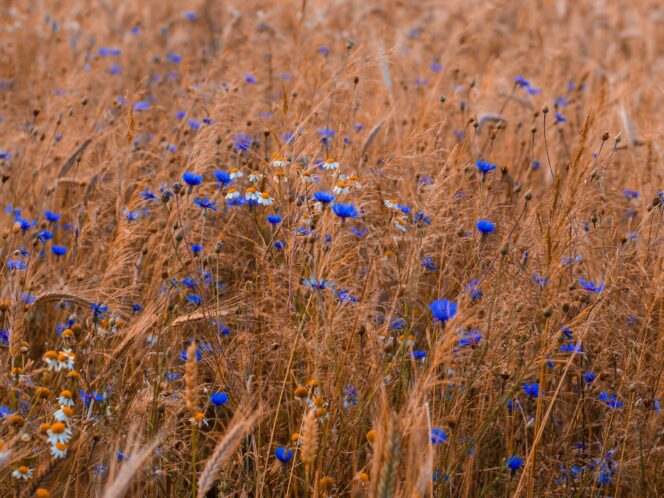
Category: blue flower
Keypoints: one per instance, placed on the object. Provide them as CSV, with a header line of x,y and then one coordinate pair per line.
x,y
323,196
16,264
219,398
316,284
194,299
589,377
206,204
136,307
485,226
540,280
531,389
485,166
560,118
192,179
249,78
345,296
189,282
273,219
223,178
279,244
52,217
443,309
438,436
610,400
174,58
59,250
148,195
283,455
196,248
521,82
141,105
421,218
470,338
428,264
190,15
514,463
419,354
242,142
398,324
98,310
45,235
591,286
109,52
344,211
193,124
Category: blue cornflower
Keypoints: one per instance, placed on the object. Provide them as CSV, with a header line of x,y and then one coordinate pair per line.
x,y
631,194
345,296
283,455
323,196
438,436
567,332
485,166
531,389
485,226
428,264
109,52
25,224
250,78
344,211
273,219
16,264
28,298
242,142
560,118
350,396
536,165
358,232
521,82
514,463
419,354
279,244
219,398
206,204
193,124
443,309
475,293
98,310
136,307
589,377
420,217
325,133
174,58
52,217
189,282
591,286
45,235
191,178
316,284
190,15
571,348
194,299
610,400
59,250
141,105
470,338
196,248
540,280
223,178
148,195
398,323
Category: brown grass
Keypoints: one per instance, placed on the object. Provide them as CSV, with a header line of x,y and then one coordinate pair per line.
x,y
317,366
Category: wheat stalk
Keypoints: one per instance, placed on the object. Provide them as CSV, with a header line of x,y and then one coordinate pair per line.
x,y
225,448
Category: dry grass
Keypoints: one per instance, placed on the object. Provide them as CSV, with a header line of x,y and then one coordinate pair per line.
x,y
86,133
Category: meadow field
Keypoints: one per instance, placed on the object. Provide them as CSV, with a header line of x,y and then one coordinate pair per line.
x,y
298,248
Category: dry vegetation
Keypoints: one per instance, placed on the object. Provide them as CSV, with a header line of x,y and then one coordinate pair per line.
x,y
218,346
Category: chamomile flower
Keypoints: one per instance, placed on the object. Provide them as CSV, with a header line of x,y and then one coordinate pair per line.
x,y
235,173
280,177
198,419
391,204
330,164
341,188
232,194
58,433
51,360
255,176
265,199
252,194
279,161
59,450
65,398
64,414
66,360
22,472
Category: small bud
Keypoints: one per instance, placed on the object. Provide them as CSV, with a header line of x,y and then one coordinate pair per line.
x,y
618,138
545,110
528,196
605,136
442,99
547,312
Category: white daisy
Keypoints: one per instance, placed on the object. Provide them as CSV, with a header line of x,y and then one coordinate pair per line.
x,y
58,433
232,194
330,164
22,472
235,173
59,450
265,199
64,414
252,194
341,188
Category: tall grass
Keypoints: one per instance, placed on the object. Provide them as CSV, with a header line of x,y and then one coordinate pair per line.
x,y
477,312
